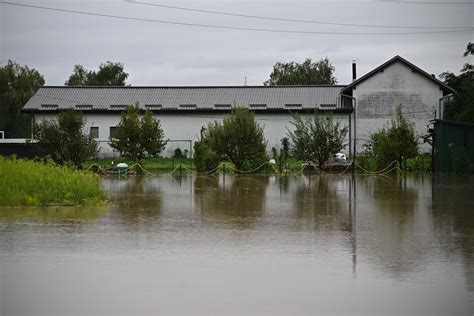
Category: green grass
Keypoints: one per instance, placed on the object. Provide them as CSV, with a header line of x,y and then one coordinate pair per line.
x,y
418,164
31,183
149,164
157,164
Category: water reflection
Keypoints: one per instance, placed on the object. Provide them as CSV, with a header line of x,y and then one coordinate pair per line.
x,y
403,244
453,218
72,214
323,199
396,208
237,199
136,201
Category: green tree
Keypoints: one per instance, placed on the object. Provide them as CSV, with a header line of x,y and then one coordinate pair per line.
x,y
307,73
317,138
238,139
109,74
393,142
136,137
284,152
65,136
17,85
461,108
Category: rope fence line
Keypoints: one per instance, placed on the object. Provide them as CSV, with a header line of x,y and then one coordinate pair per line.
x,y
223,166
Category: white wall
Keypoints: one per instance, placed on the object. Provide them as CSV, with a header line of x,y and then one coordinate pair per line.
x,y
378,96
187,126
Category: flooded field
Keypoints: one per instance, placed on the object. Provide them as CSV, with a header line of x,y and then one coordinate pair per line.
x,y
247,245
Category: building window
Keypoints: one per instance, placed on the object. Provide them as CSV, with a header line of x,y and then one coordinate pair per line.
x,y
113,131
118,106
94,132
293,106
153,106
49,106
258,106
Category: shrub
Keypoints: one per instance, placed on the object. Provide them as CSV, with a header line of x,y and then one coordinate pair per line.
x,y
238,139
317,138
65,136
394,142
137,137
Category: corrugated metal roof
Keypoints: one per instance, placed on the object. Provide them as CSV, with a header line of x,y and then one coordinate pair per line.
x,y
173,98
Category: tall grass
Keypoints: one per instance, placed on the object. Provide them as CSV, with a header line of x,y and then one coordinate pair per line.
x,y
26,182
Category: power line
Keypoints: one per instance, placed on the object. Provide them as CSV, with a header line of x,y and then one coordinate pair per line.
x,y
290,20
210,26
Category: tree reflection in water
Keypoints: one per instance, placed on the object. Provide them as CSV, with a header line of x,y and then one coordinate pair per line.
x,y
137,200
324,200
234,200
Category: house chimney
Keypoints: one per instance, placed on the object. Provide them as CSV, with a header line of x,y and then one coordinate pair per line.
x,y
354,71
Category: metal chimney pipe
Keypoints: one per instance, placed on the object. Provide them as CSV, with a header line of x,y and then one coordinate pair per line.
x,y
354,70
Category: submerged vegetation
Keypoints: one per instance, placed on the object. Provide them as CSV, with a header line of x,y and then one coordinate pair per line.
x,y
27,182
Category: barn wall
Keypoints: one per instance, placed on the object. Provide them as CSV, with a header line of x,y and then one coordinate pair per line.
x,y
187,126
378,96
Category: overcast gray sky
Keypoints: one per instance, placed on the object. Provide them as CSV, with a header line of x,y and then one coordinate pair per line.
x,y
169,54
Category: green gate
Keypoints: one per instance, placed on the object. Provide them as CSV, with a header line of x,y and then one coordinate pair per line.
x,y
453,146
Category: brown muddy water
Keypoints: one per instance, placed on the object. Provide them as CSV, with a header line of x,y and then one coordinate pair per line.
x,y
247,246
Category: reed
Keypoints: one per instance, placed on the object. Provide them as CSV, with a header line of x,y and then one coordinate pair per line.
x,y
27,182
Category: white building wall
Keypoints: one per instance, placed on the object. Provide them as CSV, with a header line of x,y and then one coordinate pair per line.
x,y
187,126
378,96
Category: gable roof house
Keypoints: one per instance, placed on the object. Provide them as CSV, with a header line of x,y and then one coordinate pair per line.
x,y
183,111
376,95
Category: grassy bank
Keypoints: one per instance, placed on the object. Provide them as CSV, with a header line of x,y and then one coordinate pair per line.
x,y
160,164
154,164
421,163
26,182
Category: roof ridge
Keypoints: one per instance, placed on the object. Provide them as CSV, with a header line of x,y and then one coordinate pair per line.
x,y
389,62
195,87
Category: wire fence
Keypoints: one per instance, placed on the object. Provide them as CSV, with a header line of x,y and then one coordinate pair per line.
x,y
351,167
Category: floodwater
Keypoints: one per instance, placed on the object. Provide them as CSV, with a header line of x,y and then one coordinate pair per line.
x,y
247,246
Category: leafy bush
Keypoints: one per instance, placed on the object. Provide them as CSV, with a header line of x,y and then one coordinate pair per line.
x,y
204,158
178,154
394,142
135,137
317,138
65,136
238,139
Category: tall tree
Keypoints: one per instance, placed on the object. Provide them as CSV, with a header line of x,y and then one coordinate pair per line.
x,y
17,85
109,74
136,137
461,108
317,138
307,73
66,137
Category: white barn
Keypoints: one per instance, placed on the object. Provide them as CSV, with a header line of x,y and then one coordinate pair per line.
x,y
396,82
183,111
